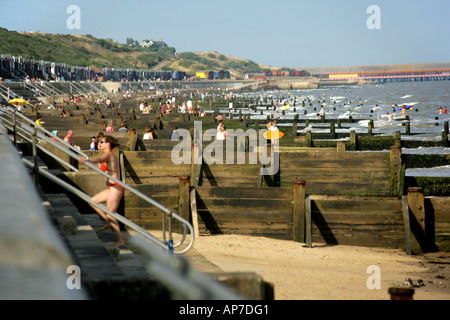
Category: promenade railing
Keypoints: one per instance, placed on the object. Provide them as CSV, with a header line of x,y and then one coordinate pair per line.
x,y
26,129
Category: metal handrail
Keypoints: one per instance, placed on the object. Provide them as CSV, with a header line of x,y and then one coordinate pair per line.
x,y
74,153
40,147
60,147
86,198
184,281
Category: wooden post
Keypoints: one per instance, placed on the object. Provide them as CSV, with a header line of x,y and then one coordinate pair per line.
x,y
395,164
294,128
401,293
116,152
157,122
445,135
398,139
299,211
184,198
340,146
406,224
132,138
308,138
308,218
370,127
196,164
132,115
194,212
332,128
416,205
408,130
353,145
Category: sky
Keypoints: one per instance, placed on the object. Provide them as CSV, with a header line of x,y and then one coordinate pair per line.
x,y
282,33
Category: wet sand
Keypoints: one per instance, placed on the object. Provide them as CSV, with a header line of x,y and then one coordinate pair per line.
x,y
327,272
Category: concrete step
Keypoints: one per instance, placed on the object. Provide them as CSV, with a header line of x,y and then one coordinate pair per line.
x,y
108,272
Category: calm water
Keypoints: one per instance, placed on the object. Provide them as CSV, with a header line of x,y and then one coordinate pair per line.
x,y
371,101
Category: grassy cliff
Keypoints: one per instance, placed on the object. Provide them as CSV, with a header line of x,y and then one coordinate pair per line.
x,y
85,50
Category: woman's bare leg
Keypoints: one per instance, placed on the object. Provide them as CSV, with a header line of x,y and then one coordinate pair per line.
x,y
101,197
112,203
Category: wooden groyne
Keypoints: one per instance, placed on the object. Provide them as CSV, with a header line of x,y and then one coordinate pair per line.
x,y
354,198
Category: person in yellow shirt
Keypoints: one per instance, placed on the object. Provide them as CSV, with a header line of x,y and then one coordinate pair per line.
x,y
39,121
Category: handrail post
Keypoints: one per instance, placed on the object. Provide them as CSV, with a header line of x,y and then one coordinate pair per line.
x,y
14,128
34,150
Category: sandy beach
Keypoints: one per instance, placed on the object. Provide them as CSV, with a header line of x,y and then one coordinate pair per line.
x,y
326,272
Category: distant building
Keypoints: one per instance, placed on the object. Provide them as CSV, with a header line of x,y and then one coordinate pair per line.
x,y
257,75
148,43
98,73
212,74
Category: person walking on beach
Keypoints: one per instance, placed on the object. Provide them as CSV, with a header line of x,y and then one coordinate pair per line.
x,y
274,130
114,192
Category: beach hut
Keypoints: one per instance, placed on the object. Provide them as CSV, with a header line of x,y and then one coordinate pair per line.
x,y
201,74
98,73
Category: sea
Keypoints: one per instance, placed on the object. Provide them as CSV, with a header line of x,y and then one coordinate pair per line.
x,y
367,102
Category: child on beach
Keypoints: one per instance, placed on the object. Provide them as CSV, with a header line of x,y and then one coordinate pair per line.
x,y
93,143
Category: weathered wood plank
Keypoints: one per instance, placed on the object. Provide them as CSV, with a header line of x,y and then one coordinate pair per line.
x,y
247,192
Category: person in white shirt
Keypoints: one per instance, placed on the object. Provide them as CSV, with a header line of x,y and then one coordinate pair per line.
x,y
273,128
221,134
